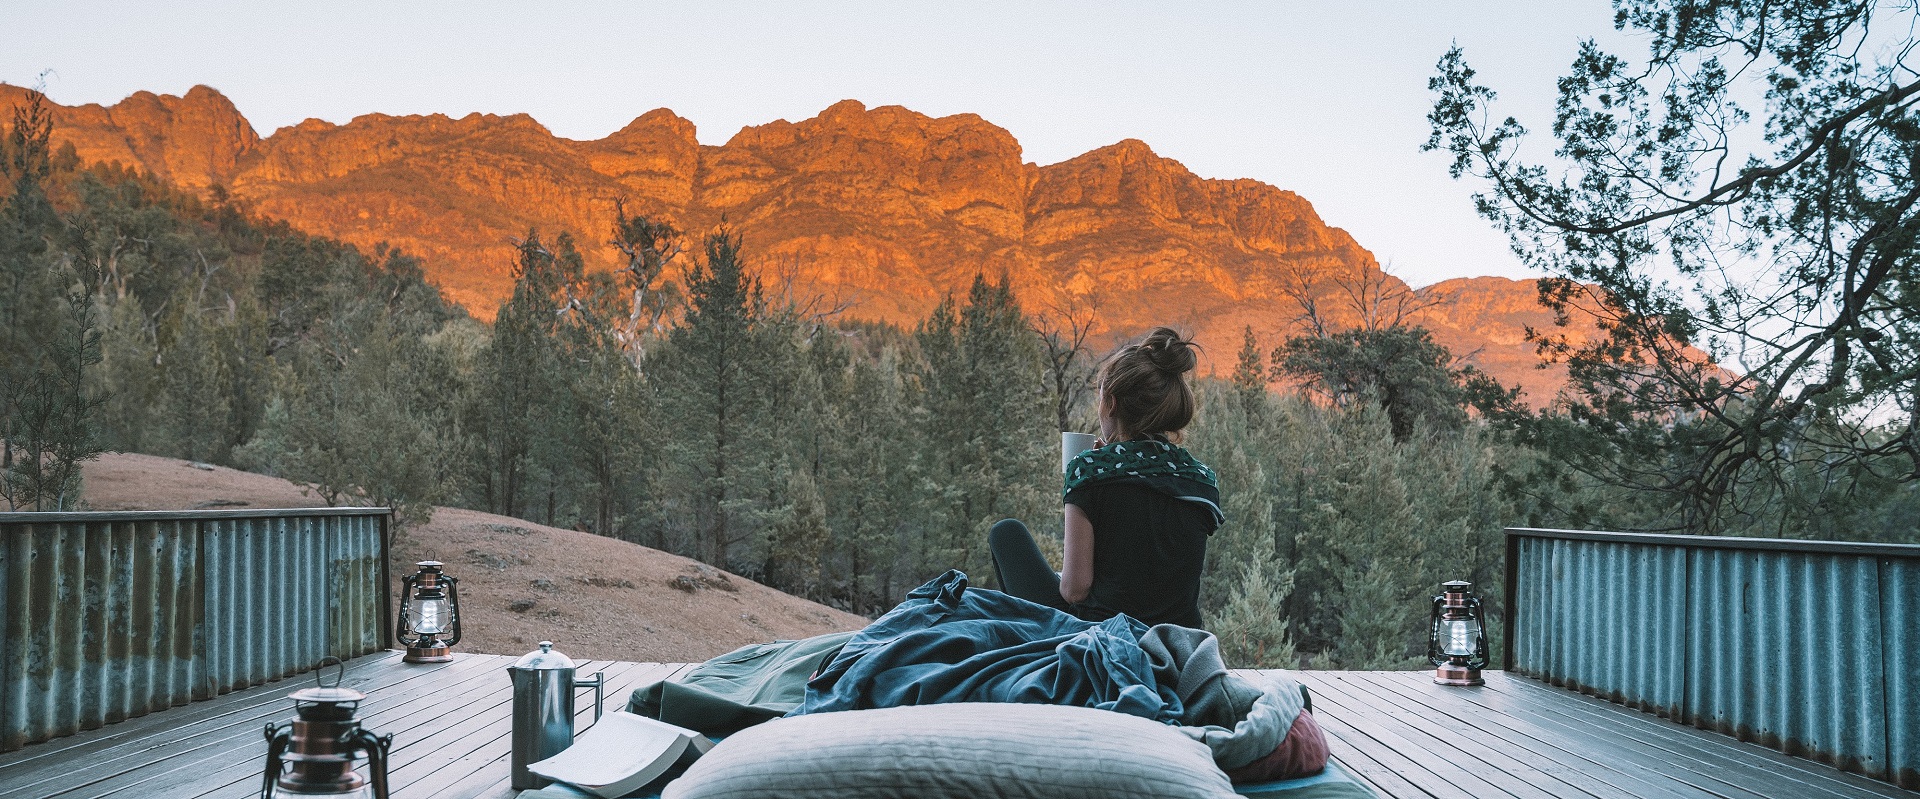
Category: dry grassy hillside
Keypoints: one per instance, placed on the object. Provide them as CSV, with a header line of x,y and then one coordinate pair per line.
x,y
520,582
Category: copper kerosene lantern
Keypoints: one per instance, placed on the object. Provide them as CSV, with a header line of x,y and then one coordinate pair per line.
x,y
429,615
1457,645
313,754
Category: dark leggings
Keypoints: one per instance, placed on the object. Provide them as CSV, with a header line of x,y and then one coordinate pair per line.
x,y
1021,569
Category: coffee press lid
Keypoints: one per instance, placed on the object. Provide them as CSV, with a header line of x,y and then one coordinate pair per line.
x,y
544,659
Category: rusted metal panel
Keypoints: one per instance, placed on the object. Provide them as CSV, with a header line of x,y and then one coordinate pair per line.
x,y
139,599
113,615
1900,646
1785,653
291,591
1587,611
100,624
1812,648
266,598
357,606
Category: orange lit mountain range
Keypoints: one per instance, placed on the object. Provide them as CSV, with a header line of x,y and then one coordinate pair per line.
x,y
885,209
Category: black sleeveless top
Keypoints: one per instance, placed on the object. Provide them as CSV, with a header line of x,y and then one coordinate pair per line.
x,y
1148,551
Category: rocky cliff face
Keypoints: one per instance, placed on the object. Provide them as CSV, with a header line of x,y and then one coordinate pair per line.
x,y
194,141
1485,320
884,208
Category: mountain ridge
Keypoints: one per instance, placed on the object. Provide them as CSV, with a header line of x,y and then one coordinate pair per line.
x,y
884,207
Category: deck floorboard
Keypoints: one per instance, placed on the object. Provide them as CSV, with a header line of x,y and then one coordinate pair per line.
x,y
1704,750
1398,732
1628,750
1513,775
1573,745
230,758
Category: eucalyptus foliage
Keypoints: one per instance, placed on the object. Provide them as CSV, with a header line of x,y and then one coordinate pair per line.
x,y
1739,207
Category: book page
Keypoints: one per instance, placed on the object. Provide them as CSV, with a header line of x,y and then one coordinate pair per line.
x,y
622,747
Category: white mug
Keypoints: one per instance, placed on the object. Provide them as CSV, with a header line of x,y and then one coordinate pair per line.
x,y
1071,445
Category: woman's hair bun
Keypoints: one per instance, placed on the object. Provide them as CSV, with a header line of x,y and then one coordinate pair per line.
x,y
1147,387
1170,352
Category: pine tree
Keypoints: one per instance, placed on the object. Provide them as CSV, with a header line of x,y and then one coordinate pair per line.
x,y
798,537
48,333
1378,626
1362,525
1252,624
990,440
368,431
53,415
711,396
610,411
195,412
127,377
1736,208
873,480
560,347
517,390
1250,374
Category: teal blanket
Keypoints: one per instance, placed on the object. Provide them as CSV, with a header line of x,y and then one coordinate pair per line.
x,y
947,643
951,643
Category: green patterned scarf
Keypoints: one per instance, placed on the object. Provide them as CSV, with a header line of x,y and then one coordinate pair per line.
x,y
1151,462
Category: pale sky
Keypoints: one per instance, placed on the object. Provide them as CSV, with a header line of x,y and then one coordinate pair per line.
x,y
1327,99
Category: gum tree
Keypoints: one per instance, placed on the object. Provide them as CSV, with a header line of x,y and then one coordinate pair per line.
x,y
1737,209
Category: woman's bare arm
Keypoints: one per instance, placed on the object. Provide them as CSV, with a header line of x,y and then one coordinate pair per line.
x,y
1076,570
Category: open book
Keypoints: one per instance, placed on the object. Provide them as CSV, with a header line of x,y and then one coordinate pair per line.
x,y
620,753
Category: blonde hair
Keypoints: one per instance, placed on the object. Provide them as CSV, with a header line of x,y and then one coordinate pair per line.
x,y
1147,381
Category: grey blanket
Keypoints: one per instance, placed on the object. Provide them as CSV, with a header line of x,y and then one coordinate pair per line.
x,y
1240,719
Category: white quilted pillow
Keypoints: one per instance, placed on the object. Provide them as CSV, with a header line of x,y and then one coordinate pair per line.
x,y
964,751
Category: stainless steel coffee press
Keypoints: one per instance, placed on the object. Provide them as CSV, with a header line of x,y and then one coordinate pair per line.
x,y
543,686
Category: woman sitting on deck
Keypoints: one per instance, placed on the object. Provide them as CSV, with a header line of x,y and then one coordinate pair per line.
x,y
1138,508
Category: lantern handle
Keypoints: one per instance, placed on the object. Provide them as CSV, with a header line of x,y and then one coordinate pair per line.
x,y
278,738
377,747
453,603
401,633
1433,631
320,670
1480,659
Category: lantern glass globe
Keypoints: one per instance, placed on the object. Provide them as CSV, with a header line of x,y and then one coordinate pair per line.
x,y
429,616
1461,637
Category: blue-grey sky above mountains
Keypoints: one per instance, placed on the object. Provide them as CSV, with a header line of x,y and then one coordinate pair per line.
x,y
1327,99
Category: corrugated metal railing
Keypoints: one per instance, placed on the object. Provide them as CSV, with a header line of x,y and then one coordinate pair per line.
x,y
1810,647
113,615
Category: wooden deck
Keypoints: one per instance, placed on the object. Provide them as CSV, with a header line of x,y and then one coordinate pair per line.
x,y
1515,737
450,723
1406,736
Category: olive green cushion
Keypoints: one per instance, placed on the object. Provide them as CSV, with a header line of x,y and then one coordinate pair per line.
x,y
965,751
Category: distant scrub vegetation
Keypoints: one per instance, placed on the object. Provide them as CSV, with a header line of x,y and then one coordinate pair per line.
x,y
683,404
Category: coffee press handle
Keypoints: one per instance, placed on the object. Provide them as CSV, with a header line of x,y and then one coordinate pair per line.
x,y
599,683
